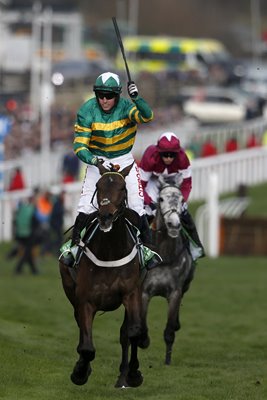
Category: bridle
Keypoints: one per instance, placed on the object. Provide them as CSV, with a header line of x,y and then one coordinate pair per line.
x,y
171,210
106,201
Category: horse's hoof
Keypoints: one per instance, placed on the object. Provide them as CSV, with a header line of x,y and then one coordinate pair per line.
x,y
121,383
134,379
168,359
81,373
80,380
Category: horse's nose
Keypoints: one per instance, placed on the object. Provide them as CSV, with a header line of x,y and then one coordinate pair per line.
x,y
170,224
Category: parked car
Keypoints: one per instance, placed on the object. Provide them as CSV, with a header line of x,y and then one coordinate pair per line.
x,y
255,79
211,105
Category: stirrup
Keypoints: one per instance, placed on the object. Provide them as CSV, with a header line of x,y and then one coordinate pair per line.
x,y
151,258
67,258
153,262
196,251
69,254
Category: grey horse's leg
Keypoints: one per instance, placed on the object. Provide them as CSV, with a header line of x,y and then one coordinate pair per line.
x,y
144,339
173,323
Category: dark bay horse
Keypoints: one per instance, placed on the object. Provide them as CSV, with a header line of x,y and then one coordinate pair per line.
x,y
172,278
107,276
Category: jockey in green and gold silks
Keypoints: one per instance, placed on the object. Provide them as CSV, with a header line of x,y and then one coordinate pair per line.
x,y
109,135
105,128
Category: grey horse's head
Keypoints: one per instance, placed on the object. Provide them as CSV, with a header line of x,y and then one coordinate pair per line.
x,y
170,203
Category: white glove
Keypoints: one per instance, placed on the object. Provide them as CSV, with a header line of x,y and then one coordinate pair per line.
x,y
184,206
149,211
94,160
132,90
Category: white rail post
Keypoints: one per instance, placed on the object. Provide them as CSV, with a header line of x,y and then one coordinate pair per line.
x,y
213,216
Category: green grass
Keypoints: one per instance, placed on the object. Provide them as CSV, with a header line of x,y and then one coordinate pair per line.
x,y
258,205
219,353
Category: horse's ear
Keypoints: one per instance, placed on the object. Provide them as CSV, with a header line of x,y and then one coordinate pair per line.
x,y
161,180
178,179
101,168
126,170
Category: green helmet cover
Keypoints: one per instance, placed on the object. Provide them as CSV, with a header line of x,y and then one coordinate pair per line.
x,y
108,82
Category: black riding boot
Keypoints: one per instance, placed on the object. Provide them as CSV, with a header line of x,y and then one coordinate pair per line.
x,y
80,223
146,238
189,225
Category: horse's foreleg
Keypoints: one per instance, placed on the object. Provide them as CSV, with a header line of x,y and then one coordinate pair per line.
x,y
132,304
86,315
82,369
124,342
134,376
173,324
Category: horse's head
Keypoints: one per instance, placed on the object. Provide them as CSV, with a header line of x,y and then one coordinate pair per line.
x,y
111,195
170,204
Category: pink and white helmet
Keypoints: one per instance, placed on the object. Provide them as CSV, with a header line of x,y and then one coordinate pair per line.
x,y
168,141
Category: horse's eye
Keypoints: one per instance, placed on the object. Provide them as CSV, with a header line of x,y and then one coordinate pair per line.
x,y
160,199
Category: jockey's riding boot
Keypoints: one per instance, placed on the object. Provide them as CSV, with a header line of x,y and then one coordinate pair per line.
x,y
146,238
189,225
79,224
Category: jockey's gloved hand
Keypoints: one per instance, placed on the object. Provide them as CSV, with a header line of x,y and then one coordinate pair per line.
x,y
153,206
94,161
184,206
132,90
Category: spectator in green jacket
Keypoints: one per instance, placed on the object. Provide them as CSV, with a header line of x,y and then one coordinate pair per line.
x,y
26,226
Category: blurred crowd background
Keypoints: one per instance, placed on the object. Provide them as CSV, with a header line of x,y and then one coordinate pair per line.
x,y
200,64
52,51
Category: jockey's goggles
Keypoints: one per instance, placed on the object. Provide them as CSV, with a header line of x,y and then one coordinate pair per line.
x,y
168,154
107,95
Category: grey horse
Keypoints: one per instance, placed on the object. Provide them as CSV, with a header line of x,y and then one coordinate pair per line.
x,y
172,278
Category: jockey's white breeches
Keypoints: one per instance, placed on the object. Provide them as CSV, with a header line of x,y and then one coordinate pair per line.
x,y
152,188
135,197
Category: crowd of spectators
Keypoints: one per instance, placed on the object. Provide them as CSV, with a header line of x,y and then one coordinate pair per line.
x,y
25,134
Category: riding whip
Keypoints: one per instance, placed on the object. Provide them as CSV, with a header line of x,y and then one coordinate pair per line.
x,y
121,47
